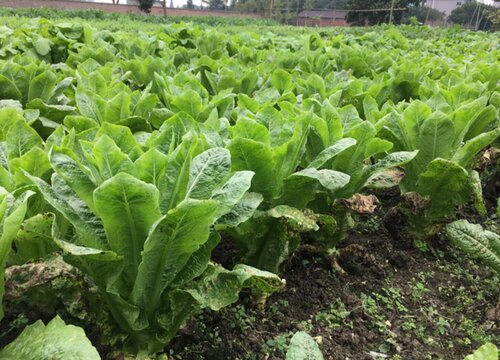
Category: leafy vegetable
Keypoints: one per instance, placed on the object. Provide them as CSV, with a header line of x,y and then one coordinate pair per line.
x,y
152,268
487,351
303,347
12,212
476,242
56,340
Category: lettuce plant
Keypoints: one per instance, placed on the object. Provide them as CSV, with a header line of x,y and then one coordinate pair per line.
x,y
440,177
476,242
21,148
273,150
54,340
143,230
368,160
12,212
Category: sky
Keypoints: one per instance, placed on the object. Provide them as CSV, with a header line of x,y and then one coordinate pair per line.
x,y
179,3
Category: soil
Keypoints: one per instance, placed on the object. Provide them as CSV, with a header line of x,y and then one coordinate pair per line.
x,y
395,301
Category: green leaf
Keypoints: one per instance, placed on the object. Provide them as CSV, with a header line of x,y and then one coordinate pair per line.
x,y
465,116
41,86
42,46
299,191
303,347
485,121
198,262
207,172
56,113
123,138
376,146
35,162
476,242
20,139
128,207
90,104
241,212
251,155
151,166
436,140
189,102
412,121
220,287
295,217
117,108
250,129
370,108
395,159
11,217
469,150
62,198
54,341
266,242
282,80
109,158
174,184
329,179
229,194
288,156
34,239
169,246
8,89
8,117
331,151
74,174
79,123
487,351
446,184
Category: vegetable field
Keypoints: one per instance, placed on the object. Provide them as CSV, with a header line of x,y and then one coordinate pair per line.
x,y
242,193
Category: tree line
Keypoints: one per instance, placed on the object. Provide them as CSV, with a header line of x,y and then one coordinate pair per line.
x,y
359,12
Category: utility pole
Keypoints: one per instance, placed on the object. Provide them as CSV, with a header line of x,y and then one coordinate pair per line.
x,y
297,15
392,10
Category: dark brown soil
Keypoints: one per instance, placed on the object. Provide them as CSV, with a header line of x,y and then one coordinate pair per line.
x,y
394,299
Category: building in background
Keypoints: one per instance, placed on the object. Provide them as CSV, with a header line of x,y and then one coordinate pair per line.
x,y
447,6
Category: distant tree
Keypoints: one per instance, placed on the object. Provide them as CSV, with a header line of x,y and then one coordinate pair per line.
x,y
376,17
146,5
423,13
473,14
330,4
286,10
254,6
189,4
215,4
493,16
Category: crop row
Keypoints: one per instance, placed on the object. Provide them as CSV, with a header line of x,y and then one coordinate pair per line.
x,y
132,153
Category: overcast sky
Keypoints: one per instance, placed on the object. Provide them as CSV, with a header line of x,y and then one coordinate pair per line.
x,y
178,3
